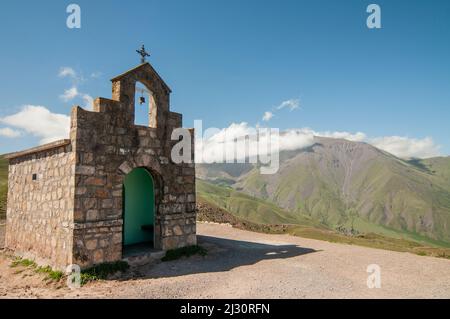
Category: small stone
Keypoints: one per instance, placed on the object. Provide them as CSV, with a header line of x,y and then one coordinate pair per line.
x,y
92,215
107,203
95,181
91,244
85,170
98,256
177,230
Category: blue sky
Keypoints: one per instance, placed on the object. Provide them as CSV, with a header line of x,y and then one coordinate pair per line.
x,y
232,61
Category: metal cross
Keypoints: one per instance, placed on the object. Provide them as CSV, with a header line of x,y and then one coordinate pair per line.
x,y
143,54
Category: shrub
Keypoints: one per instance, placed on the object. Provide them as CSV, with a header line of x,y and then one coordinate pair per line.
x,y
178,253
102,271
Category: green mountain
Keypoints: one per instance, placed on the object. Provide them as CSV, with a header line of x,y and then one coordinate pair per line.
x,y
350,185
247,207
3,186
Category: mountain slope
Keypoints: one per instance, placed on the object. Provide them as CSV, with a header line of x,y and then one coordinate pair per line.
x,y
247,207
209,211
355,185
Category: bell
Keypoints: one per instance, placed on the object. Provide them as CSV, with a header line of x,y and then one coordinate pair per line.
x,y
141,100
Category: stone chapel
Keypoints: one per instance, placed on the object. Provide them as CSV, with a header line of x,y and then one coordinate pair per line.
x,y
108,189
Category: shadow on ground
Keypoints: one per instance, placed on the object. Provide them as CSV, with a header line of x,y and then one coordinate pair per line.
x,y
223,255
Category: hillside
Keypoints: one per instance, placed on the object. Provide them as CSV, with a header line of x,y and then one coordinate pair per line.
x,y
247,207
3,186
351,185
438,166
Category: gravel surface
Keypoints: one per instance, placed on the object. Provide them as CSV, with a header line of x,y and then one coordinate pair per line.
x,y
242,264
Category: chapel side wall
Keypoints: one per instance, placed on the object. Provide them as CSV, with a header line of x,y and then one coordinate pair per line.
x,y
40,213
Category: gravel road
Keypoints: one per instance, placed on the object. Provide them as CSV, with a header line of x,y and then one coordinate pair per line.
x,y
242,264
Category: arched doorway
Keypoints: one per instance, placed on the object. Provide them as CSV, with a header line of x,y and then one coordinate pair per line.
x,y
138,209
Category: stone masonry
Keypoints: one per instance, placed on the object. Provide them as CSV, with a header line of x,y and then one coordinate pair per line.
x,y
65,202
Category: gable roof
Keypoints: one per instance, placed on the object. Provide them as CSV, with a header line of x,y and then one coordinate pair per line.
x,y
143,66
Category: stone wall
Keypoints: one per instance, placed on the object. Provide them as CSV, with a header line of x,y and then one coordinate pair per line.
x,y
40,212
108,147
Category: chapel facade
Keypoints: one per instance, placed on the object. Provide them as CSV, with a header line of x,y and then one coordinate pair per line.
x,y
110,187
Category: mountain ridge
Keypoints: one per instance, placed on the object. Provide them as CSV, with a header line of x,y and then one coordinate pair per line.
x,y
349,184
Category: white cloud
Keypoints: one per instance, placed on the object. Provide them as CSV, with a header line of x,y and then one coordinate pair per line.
x,y
40,122
405,147
267,116
69,94
67,71
354,137
10,133
96,75
292,104
73,93
295,139
213,146
88,101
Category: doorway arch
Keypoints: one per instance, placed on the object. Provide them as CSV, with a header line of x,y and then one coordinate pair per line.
x,y
138,208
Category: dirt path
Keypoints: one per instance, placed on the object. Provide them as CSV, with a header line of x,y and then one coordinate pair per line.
x,y
243,264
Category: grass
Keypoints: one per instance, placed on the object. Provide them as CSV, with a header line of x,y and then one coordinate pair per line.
x,y
98,272
366,227
250,208
54,275
103,271
24,263
189,251
371,240
51,274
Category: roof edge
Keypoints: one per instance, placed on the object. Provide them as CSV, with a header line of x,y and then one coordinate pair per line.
x,y
138,67
38,149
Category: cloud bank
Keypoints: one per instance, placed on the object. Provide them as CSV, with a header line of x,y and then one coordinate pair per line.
x,y
10,133
38,121
407,147
213,146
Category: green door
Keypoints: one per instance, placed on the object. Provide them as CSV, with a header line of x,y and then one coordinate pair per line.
x,y
139,207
